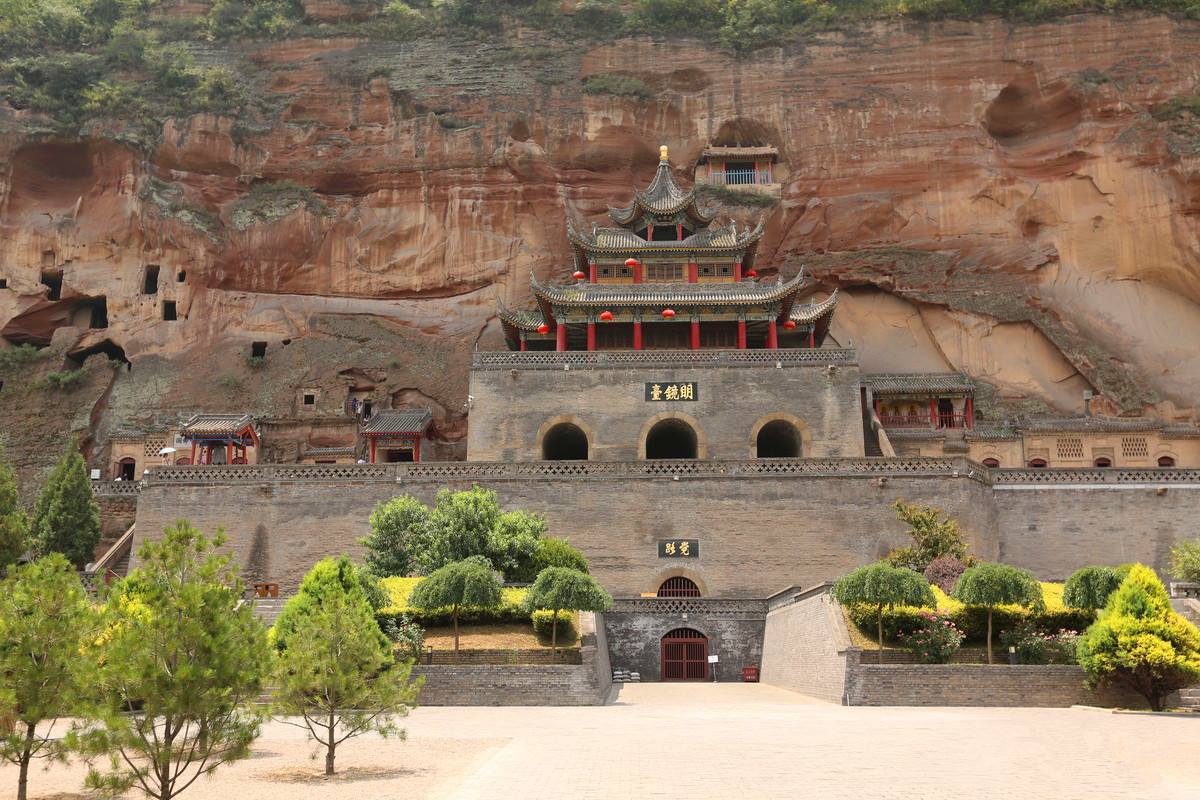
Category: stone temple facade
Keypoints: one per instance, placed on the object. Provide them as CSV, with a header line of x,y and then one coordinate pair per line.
x,y
694,430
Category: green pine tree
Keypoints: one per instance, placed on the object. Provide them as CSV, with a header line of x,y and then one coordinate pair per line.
x,y
66,519
14,529
336,671
179,660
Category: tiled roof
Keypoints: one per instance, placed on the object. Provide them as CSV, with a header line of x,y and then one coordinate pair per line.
x,y
809,313
919,383
216,424
626,241
996,434
414,420
523,320
1107,424
739,152
594,295
662,197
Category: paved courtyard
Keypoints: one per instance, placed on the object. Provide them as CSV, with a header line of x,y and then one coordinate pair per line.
x,y
722,741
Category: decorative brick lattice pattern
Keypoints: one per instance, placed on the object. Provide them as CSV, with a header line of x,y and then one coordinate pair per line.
x,y
1135,447
663,358
1070,447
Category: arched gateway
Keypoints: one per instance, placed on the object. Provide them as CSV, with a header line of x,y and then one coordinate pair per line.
x,y
684,655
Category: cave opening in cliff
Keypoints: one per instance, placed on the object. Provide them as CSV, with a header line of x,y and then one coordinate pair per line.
x,y
170,311
150,281
52,279
76,358
565,442
97,308
3,283
258,349
181,277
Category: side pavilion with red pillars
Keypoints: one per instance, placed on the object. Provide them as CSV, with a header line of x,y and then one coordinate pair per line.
x,y
222,439
665,279
395,435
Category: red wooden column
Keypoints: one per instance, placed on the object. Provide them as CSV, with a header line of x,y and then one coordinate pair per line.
x,y
679,231
192,460
637,334
772,336
560,337
417,449
372,449
741,335
695,334
524,346
737,271
228,453
591,336
969,413
812,338
693,272
933,415
591,271
637,272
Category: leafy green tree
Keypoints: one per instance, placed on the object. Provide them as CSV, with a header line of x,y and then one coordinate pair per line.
x,y
66,518
336,575
336,671
1090,587
513,544
470,582
44,617
561,589
397,527
933,537
13,526
554,552
180,658
1185,561
1140,643
992,585
883,586
460,526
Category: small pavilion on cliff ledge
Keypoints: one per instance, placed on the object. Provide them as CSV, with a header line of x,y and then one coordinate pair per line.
x,y
665,279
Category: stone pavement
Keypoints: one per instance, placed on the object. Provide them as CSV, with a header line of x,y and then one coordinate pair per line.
x,y
719,741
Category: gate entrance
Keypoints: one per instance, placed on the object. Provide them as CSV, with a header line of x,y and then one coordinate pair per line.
x,y
685,655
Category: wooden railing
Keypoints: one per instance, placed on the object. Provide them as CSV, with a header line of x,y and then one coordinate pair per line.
x,y
757,177
932,421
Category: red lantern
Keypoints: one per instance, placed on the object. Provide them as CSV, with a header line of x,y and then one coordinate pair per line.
x,y
606,316
631,262
668,313
750,273
578,275
790,324
543,328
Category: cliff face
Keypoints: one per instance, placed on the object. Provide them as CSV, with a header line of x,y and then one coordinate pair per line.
x,y
993,199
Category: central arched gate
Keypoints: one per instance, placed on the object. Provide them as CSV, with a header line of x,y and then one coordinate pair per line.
x,y
685,655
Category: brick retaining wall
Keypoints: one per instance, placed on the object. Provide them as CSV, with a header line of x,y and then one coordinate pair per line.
x,y
1051,686
505,657
805,643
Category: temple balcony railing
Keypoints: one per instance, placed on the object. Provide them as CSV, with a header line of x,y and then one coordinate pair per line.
x,y
114,488
443,471
932,421
693,606
669,469
758,177
623,359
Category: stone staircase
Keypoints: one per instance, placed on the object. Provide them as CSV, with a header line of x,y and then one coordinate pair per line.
x,y
1189,608
870,432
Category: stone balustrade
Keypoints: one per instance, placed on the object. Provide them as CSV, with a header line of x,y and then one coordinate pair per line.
x,y
625,359
1108,475
114,488
708,607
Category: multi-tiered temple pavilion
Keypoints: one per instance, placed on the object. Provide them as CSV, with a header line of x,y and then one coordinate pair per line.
x,y
665,279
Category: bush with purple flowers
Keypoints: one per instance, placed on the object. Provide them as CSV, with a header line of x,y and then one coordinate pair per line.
x,y
936,641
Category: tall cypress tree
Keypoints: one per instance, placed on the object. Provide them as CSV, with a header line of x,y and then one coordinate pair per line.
x,y
13,527
66,519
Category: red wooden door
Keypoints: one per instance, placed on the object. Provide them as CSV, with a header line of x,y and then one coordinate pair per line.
x,y
684,656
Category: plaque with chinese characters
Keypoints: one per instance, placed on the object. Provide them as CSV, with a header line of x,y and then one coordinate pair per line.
x,y
672,390
678,548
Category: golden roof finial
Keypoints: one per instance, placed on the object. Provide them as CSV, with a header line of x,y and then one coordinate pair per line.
x,y
662,154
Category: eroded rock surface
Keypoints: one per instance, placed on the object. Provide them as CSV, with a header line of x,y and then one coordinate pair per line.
x,y
998,200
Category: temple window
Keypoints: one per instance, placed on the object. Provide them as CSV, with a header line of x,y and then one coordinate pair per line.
x,y
1166,461
679,586
1102,462
1037,463
778,439
664,273
671,438
715,271
565,442
991,463
150,280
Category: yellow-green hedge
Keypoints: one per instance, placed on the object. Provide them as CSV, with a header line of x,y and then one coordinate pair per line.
x,y
400,589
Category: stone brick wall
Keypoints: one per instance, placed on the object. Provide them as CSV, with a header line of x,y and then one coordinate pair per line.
x,y
635,637
511,408
805,644
756,533
504,657
1056,529
974,685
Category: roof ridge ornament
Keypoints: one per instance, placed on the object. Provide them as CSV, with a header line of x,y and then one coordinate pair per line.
x,y
663,157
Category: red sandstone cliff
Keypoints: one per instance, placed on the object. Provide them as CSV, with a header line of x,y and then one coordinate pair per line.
x,y
994,199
